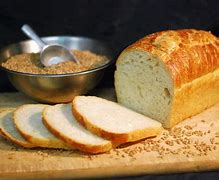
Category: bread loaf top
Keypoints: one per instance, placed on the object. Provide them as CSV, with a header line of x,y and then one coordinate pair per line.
x,y
188,53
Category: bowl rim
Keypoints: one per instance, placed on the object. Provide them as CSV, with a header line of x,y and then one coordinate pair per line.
x,y
110,59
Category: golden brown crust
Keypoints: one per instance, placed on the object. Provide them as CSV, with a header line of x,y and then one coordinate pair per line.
x,y
17,142
74,144
188,53
194,97
116,138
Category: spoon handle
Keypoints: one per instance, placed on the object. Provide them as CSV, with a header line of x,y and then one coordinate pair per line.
x,y
31,34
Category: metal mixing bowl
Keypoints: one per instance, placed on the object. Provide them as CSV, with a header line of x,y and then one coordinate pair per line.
x,y
57,88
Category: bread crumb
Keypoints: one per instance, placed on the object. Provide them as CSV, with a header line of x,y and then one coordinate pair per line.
x,y
170,143
188,127
212,140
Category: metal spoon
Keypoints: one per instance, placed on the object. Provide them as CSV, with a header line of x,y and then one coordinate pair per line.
x,y
50,54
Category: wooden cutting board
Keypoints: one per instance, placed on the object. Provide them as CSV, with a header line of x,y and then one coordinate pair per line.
x,y
193,145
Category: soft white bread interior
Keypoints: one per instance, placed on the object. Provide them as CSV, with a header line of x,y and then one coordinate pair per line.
x,y
61,122
28,121
9,131
113,121
144,85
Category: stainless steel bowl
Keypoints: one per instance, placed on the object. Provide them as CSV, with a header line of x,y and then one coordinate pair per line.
x,y
57,88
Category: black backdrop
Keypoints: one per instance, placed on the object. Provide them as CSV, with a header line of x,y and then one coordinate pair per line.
x,y
118,22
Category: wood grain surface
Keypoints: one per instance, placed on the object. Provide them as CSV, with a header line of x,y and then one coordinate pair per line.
x,y
191,146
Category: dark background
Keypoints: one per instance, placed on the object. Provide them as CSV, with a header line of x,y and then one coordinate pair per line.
x,y
117,22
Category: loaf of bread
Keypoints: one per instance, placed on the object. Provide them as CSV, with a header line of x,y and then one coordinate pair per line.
x,y
169,75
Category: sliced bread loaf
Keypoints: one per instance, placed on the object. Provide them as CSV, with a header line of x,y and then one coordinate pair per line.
x,y
28,121
169,75
60,120
113,121
9,131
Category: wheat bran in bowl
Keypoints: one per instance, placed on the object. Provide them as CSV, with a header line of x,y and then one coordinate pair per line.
x,y
30,63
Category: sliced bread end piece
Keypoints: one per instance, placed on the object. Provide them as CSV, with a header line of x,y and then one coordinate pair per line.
x,y
9,131
61,122
112,121
28,121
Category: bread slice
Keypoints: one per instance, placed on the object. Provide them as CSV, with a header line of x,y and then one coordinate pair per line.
x,y
9,131
60,120
113,121
169,75
28,121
